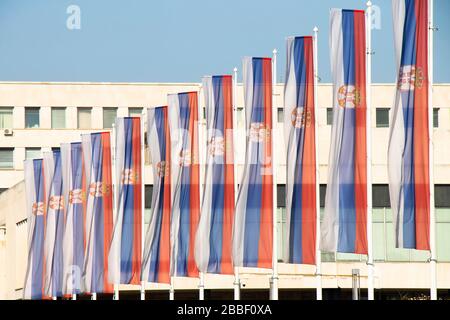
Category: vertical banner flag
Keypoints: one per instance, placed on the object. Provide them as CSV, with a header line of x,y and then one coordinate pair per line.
x,y
183,122
35,202
54,224
213,239
99,213
74,232
253,223
125,251
408,153
301,159
156,258
345,218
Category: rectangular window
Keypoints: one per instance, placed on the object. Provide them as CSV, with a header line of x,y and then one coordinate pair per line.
x,y
32,153
280,115
134,112
32,117
148,203
281,196
322,193
329,116
109,117
435,117
382,115
442,196
58,118
6,117
56,149
6,158
84,118
380,196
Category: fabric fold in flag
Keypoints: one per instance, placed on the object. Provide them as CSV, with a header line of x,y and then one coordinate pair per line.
x,y
213,238
344,226
253,224
36,202
74,243
156,258
183,122
99,212
408,151
54,224
126,246
299,130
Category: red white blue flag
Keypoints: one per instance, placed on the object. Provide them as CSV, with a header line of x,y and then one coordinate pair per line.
x,y
74,243
183,122
301,158
409,154
156,258
252,230
126,246
99,213
36,197
54,224
213,239
345,217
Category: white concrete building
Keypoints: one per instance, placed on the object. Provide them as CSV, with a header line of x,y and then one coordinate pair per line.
x,y
36,117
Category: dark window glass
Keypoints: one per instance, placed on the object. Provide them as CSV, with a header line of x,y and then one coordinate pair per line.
x,y
442,196
280,115
322,192
148,195
281,196
382,117
32,117
380,196
329,116
436,118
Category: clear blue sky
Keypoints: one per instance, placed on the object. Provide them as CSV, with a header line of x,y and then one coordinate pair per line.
x,y
178,40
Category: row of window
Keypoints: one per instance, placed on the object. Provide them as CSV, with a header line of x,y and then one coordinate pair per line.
x,y
58,117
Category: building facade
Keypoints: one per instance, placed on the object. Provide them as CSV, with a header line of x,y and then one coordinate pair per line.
x,y
37,117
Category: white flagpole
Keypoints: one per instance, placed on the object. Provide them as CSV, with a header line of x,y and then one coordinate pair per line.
x,y
172,289
116,190
142,195
201,282
433,266
370,265
236,284
274,295
316,147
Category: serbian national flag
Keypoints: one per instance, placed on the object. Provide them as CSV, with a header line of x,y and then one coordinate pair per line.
x,y
301,152
252,230
213,239
345,218
409,154
99,213
183,122
156,258
36,201
126,246
54,224
74,242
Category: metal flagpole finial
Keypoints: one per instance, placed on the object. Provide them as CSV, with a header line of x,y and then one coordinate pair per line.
x,y
274,51
234,69
316,29
369,3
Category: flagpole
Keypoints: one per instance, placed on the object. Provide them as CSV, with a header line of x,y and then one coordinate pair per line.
x,y
274,295
142,196
236,283
201,284
116,191
172,289
370,265
433,265
316,140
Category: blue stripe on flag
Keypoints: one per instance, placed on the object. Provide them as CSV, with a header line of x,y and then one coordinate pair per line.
x,y
38,235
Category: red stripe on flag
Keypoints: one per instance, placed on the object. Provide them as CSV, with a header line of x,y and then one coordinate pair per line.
x,y
192,270
228,212
360,135
137,201
309,163
421,133
266,214
107,207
